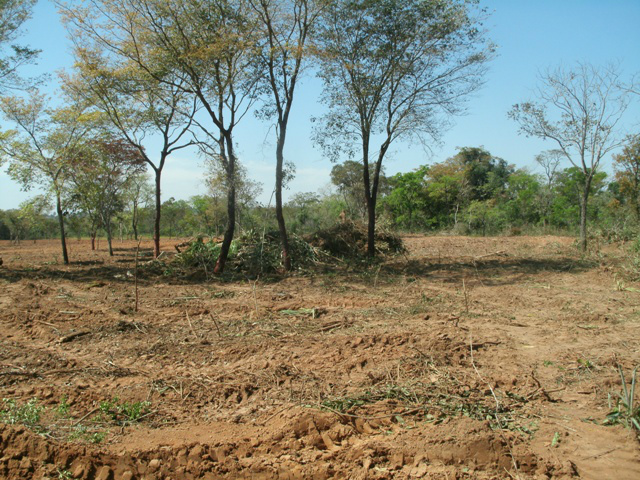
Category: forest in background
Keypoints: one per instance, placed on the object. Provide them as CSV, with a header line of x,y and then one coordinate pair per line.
x,y
471,193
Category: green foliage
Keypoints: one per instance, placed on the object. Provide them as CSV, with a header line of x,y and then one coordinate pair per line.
x,y
408,201
124,412
391,391
347,177
13,13
63,408
419,399
83,433
624,409
214,204
627,172
28,414
309,212
201,255
103,170
484,216
485,175
31,221
522,202
64,474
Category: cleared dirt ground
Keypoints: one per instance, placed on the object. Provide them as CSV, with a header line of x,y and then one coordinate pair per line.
x,y
467,358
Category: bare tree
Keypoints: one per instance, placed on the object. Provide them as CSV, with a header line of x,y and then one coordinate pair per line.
x,y
394,70
579,109
549,161
285,29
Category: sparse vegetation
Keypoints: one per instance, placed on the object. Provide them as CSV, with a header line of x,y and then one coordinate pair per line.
x,y
383,350
433,403
624,409
124,413
59,421
28,414
64,474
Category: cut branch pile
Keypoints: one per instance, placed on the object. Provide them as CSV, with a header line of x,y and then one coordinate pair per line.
x,y
349,240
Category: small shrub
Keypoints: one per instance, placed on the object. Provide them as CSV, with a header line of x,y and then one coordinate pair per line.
x,y
28,414
64,474
125,412
82,433
625,411
62,410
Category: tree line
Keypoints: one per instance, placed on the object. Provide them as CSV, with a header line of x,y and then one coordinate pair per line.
x,y
186,73
470,193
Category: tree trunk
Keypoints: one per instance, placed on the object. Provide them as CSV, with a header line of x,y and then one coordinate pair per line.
x,y
134,221
231,207
583,213
369,198
93,240
109,238
282,227
371,194
156,223
63,239
371,226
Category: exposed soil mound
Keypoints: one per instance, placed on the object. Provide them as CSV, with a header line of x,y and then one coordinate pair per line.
x,y
349,240
296,443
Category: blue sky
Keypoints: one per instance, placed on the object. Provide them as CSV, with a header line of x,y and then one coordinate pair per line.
x,y
530,35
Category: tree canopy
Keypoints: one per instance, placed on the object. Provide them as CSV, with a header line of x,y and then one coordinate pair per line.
x,y
394,70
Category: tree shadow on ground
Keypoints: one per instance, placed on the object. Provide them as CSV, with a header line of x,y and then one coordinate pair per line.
x,y
108,273
493,272
490,271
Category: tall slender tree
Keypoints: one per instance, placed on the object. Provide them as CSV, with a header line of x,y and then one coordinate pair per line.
x,y
578,108
139,193
286,28
395,70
